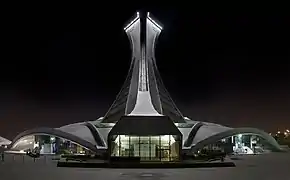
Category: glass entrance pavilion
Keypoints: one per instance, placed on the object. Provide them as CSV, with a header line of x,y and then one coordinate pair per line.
x,y
147,148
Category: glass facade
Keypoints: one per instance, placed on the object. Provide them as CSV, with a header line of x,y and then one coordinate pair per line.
x,y
49,145
148,148
240,144
249,144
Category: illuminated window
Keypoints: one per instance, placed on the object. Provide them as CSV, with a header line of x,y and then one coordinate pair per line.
x,y
148,148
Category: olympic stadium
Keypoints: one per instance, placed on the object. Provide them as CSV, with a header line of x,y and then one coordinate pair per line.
x,y
143,121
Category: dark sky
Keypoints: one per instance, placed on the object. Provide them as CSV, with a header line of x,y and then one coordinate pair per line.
x,y
228,68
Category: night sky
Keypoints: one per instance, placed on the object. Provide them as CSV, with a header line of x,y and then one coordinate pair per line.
x,y
227,68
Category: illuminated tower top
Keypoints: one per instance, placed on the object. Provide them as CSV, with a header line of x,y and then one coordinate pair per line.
x,y
143,93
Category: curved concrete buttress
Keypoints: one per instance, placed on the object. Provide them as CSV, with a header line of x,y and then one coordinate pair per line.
x,y
53,132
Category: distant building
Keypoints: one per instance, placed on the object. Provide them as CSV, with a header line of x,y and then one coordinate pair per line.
x,y
144,121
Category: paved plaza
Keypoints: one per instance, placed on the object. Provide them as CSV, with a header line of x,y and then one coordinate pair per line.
x,y
265,167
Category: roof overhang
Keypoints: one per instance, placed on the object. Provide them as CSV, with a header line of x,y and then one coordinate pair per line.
x,y
145,126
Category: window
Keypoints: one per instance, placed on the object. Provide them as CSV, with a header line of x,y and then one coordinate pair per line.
x,y
148,148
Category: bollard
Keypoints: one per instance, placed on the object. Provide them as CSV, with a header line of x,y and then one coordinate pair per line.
x,y
23,159
2,157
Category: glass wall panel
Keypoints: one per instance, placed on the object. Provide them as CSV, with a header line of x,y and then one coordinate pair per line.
x,y
144,147
124,145
115,146
174,151
148,148
134,146
239,144
155,148
165,150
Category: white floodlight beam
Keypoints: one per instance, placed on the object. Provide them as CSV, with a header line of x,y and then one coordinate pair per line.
x,y
155,23
132,22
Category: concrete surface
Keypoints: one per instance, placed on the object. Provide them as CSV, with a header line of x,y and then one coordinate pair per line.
x,y
265,167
